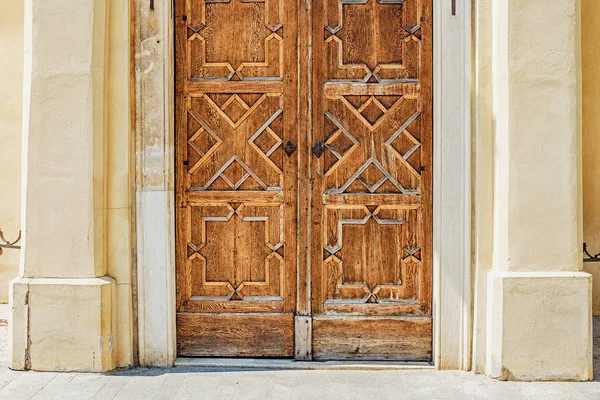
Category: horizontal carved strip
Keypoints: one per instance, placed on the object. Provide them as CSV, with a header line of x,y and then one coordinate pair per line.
x,y
408,200
337,307
204,197
409,88
233,306
199,87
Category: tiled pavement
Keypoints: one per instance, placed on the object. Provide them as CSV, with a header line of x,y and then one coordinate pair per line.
x,y
189,383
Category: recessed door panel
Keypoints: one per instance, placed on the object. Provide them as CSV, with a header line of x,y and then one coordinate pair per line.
x,y
371,240
236,183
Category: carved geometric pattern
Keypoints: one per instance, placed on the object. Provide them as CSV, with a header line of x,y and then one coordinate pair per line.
x,y
371,173
371,295
362,292
333,250
238,291
265,129
374,73
233,104
371,164
412,253
334,141
238,65
237,111
372,105
372,152
224,70
412,33
403,130
192,142
234,183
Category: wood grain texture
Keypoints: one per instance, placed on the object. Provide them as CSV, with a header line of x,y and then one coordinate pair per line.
x,y
304,160
382,338
236,99
303,338
235,335
343,237
372,223
408,307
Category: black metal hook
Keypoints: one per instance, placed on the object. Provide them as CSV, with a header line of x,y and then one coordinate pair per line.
x,y
591,258
6,244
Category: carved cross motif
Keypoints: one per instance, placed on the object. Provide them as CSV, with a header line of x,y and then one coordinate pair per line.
x,y
235,171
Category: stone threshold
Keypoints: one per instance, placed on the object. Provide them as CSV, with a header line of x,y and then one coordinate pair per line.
x,y
290,364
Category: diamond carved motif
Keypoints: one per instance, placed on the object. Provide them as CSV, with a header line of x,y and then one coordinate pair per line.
x,y
413,143
372,112
261,143
364,175
235,172
204,142
372,175
341,143
237,116
235,110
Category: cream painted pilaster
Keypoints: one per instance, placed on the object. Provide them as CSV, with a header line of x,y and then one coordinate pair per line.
x,y
62,303
539,301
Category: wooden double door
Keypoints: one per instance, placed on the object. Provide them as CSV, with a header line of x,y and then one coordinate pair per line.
x,y
304,178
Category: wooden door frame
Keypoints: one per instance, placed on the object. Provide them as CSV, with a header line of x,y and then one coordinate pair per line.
x,y
153,50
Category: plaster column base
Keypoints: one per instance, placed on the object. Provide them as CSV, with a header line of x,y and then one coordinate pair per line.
x,y
539,326
62,324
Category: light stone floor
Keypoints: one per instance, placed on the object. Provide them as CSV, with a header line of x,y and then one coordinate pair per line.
x,y
189,383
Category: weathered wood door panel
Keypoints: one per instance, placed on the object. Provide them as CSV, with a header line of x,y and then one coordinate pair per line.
x,y
236,98
371,236
244,100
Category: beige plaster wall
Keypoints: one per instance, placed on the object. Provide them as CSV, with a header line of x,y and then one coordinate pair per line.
x,y
114,211
590,29
483,157
11,91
